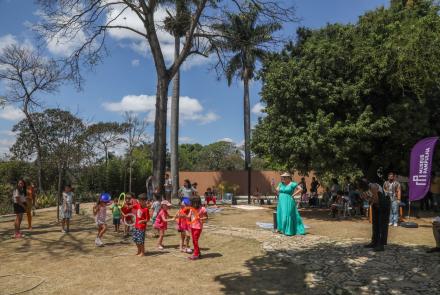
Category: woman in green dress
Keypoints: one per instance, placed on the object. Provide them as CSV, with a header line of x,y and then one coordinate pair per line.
x,y
289,221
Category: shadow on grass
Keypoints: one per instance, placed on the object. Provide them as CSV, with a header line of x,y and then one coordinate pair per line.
x,y
338,268
267,275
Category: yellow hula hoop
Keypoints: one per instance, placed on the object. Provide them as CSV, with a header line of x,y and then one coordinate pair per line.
x,y
121,199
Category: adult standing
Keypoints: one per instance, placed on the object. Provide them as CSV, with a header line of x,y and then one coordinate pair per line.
x,y
150,187
168,187
186,192
289,221
334,189
380,211
314,192
435,190
392,189
19,199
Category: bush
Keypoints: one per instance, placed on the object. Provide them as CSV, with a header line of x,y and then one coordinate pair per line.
x,y
45,200
6,199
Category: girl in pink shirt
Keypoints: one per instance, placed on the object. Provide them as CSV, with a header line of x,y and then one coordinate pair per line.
x,y
196,216
161,222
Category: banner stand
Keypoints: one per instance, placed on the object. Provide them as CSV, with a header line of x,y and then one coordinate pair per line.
x,y
409,224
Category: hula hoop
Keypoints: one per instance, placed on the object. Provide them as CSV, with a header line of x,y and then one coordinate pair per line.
x,y
121,199
133,217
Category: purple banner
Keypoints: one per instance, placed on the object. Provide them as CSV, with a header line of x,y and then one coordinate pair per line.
x,y
420,168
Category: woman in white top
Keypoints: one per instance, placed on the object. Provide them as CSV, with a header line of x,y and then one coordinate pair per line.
x,y
19,200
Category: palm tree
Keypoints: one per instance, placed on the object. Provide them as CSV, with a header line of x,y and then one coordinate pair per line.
x,y
176,25
246,40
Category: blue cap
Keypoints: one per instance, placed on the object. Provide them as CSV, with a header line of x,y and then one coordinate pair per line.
x,y
186,201
105,197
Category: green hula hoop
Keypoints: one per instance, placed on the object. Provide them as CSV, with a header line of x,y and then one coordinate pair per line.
x,y
121,199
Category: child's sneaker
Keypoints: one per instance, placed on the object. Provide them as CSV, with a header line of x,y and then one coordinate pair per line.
x,y
160,247
188,250
18,236
193,257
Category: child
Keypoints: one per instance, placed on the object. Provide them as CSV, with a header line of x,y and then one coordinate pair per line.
x,y
126,209
142,218
196,217
156,209
100,212
337,203
66,209
161,222
183,226
116,213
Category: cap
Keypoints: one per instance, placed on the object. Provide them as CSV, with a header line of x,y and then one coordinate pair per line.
x,y
165,202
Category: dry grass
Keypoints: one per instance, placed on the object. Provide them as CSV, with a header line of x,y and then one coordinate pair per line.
x,y
71,264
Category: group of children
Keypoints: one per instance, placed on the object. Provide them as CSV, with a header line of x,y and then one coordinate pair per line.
x,y
135,214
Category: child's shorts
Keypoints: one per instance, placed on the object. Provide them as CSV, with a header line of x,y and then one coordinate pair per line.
x,y
138,236
116,221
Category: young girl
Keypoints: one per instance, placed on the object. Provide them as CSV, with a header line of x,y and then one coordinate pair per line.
x,y
196,216
156,208
183,227
19,199
100,212
142,218
66,209
161,222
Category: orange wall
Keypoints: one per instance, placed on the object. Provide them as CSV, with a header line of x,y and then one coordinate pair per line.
x,y
260,179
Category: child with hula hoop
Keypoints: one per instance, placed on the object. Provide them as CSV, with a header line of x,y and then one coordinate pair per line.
x,y
161,222
127,218
196,216
142,218
100,212
183,226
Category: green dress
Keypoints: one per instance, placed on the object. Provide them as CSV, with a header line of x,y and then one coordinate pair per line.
x,y
289,221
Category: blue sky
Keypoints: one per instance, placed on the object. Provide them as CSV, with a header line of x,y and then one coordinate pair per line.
x,y
210,110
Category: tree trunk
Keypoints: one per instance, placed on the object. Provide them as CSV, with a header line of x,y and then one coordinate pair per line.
x,y
37,146
174,141
60,176
130,164
160,133
247,130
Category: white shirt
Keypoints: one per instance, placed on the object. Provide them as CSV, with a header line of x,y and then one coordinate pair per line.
x,y
16,194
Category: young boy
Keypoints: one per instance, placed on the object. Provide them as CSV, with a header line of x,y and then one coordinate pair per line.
x,y
116,212
142,218
126,209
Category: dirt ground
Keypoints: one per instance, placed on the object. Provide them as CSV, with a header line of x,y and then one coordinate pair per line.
x,y
71,264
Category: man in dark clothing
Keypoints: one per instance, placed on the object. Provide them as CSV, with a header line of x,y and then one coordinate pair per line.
x,y
381,205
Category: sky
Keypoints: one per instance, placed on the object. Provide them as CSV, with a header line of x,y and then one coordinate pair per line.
x,y
125,80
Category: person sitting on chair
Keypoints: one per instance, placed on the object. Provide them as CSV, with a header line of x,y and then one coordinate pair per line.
x,y
209,196
256,196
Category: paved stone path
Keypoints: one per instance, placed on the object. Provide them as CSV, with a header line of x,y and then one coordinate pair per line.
x,y
345,267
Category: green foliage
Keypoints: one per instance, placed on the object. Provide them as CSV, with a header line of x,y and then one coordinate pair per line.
x,y
6,198
346,99
48,199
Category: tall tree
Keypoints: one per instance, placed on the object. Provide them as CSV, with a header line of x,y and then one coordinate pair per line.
x,y
27,74
136,136
62,138
94,19
247,40
176,25
347,99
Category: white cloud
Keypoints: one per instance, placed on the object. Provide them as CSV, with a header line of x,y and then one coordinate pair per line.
x,y
258,109
11,113
64,42
135,62
185,139
227,139
190,109
138,43
7,40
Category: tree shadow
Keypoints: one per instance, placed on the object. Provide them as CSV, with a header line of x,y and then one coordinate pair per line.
x,y
267,275
338,268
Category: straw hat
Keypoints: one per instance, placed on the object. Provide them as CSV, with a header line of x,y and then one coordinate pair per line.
x,y
286,174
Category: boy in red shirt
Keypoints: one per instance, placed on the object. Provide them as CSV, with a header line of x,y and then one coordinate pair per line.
x,y
126,209
142,217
